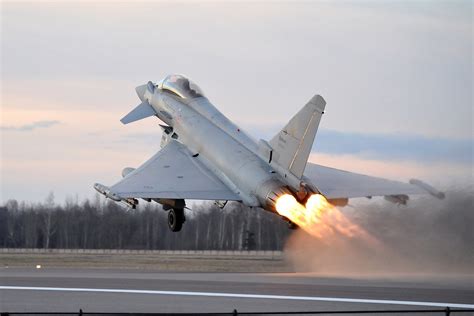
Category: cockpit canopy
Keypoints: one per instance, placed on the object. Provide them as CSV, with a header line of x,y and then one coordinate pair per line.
x,y
181,86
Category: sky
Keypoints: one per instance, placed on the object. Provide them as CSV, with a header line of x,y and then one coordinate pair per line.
x,y
396,75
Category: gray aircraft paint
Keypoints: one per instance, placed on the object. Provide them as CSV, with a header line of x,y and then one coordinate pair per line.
x,y
206,156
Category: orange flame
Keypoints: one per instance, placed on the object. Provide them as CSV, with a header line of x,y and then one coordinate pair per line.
x,y
319,218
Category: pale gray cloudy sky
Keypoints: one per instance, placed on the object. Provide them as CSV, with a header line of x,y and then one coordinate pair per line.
x,y
397,77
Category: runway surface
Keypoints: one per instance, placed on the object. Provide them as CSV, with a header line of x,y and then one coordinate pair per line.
x,y
104,290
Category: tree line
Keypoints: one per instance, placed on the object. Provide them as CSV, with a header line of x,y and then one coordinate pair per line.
x,y
103,224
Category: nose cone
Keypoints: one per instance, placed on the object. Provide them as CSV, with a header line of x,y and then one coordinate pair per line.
x,y
141,91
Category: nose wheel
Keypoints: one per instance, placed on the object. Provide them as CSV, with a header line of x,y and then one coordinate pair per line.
x,y
175,219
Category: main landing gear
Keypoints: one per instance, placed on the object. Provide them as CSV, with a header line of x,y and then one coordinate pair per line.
x,y
176,219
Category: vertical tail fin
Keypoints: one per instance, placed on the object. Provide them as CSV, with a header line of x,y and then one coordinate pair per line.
x,y
292,145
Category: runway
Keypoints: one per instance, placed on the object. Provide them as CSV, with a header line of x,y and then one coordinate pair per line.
x,y
126,290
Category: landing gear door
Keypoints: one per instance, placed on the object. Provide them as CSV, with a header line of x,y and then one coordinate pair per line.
x,y
166,136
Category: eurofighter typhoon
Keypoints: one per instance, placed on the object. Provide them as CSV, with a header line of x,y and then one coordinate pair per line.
x,y
205,156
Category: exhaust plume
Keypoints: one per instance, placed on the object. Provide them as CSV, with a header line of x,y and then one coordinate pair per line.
x,y
319,218
426,236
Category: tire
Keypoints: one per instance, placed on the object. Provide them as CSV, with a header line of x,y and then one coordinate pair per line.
x,y
175,219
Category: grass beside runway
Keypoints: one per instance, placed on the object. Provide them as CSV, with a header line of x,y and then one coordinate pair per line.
x,y
169,261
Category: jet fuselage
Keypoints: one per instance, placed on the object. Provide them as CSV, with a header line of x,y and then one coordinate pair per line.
x,y
222,147
205,156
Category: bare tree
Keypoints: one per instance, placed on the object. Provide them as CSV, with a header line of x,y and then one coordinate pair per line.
x,y
47,219
100,224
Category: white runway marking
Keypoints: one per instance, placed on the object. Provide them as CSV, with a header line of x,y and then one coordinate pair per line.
x,y
238,295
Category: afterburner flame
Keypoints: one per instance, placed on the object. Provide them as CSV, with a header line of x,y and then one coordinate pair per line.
x,y
318,203
319,218
285,204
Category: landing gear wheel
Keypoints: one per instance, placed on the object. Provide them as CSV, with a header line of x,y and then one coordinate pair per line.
x,y
175,219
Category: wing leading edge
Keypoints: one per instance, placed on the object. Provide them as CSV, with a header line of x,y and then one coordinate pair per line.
x,y
173,173
336,184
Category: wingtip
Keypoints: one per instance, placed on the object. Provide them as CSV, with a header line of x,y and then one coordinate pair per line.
x,y
428,188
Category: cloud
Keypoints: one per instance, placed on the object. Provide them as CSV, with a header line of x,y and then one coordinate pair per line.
x,y
436,173
381,147
395,147
30,127
386,147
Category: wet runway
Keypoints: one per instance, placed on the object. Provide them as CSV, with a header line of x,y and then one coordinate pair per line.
x,y
125,290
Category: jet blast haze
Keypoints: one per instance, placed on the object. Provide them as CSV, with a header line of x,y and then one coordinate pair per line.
x,y
205,156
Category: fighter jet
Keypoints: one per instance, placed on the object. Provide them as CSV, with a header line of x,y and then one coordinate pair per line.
x,y
205,156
